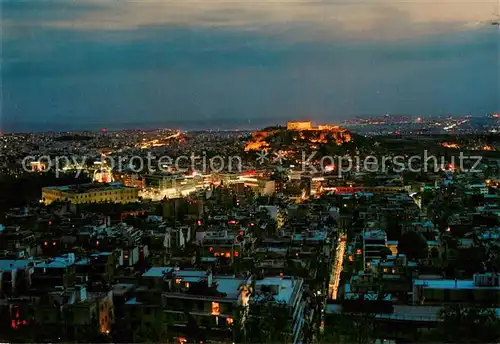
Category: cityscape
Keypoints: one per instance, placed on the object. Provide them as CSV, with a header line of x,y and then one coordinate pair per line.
x,y
296,172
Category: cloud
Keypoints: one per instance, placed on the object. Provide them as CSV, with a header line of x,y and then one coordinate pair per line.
x,y
84,62
295,19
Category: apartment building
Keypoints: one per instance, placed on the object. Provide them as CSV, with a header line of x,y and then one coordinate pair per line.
x,y
483,289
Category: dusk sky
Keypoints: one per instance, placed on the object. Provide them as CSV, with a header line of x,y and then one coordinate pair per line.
x,y
88,64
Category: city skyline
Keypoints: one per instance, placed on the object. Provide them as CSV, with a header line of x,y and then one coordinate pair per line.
x,y
92,64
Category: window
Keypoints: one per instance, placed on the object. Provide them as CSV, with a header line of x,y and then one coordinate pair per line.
x,y
215,308
229,320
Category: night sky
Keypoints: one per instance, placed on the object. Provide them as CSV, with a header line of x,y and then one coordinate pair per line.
x,y
89,64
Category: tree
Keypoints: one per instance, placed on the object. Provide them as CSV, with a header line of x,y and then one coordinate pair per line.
x,y
350,328
413,245
435,252
155,332
384,252
461,324
267,321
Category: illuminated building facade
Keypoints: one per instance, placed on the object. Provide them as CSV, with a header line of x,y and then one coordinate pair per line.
x,y
103,175
299,125
363,189
90,193
262,186
130,179
319,134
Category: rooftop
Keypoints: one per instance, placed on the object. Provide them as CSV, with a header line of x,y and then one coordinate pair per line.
x,y
282,286
121,288
229,285
83,188
450,284
376,234
403,312
9,264
157,271
312,235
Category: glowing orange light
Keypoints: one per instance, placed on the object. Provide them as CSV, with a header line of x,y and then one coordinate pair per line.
x,y
178,280
215,308
236,254
229,320
358,251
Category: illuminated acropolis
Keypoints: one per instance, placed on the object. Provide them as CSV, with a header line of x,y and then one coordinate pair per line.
x,y
307,125
319,134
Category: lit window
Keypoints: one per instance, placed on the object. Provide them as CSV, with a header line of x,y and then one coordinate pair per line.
x,y
178,280
210,249
215,308
228,255
385,270
187,284
236,254
216,254
358,251
229,320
